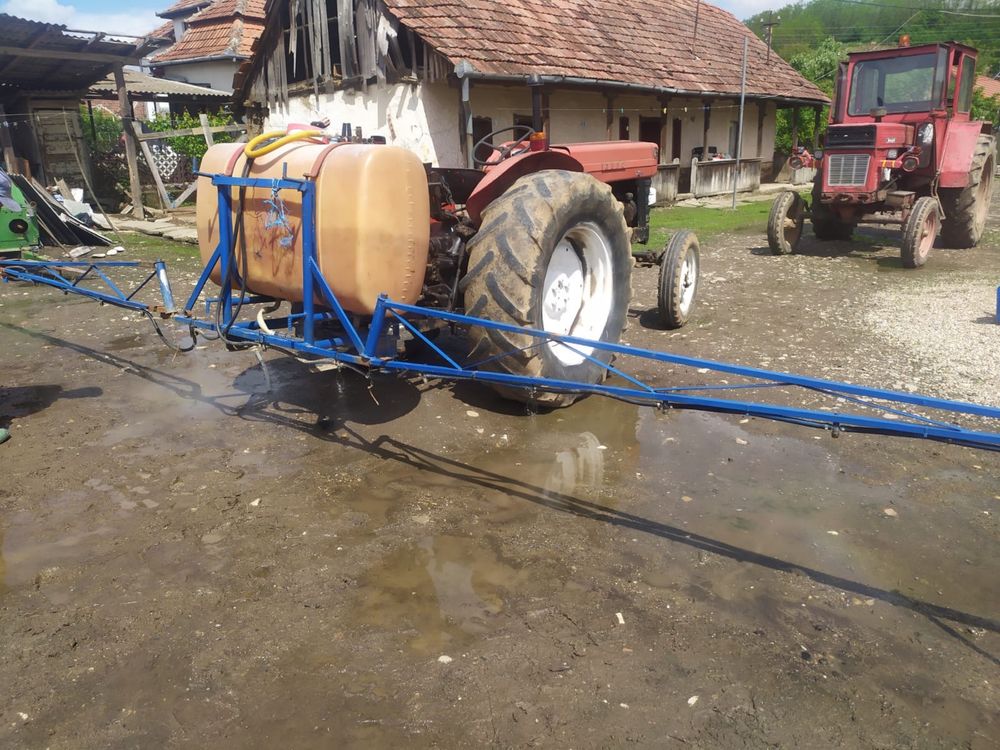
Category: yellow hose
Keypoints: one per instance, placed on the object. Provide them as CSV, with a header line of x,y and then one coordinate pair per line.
x,y
277,139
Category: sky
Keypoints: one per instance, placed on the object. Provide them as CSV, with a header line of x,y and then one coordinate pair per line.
x,y
139,16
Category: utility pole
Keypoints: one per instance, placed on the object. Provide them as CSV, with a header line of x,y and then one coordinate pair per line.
x,y
769,26
739,130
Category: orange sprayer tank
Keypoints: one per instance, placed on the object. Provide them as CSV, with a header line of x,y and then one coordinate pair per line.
x,y
372,220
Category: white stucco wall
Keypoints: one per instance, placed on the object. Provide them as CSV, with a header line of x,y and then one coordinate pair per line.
x,y
216,74
420,117
425,117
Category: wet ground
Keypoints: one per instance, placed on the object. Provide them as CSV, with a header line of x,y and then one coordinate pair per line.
x,y
189,560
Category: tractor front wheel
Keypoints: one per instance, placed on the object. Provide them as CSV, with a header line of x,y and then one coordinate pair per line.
x,y
678,285
784,224
552,254
965,209
919,232
826,224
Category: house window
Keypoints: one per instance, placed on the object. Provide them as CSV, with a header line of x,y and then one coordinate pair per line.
x,y
623,129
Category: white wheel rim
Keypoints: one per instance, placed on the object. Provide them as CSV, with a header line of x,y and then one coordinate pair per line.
x,y
578,292
689,281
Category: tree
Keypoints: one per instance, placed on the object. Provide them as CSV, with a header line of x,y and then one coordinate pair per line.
x,y
819,66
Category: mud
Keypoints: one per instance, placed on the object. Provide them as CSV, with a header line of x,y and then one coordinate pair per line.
x,y
190,560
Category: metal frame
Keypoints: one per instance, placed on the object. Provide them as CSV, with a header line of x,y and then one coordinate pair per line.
x,y
361,342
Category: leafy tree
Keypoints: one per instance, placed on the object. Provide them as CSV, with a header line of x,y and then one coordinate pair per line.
x,y
986,107
819,65
103,132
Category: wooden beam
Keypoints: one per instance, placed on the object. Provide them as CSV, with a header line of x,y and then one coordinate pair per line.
x,y
32,41
190,131
795,127
71,56
148,155
135,186
609,101
206,129
706,110
761,114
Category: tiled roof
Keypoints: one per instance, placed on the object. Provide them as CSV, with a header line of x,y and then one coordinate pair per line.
x,y
226,28
217,39
230,9
990,86
649,45
183,6
163,31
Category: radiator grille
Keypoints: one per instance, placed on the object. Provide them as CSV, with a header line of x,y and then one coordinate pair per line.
x,y
847,169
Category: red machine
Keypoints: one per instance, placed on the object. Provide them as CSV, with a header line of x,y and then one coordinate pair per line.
x,y
900,149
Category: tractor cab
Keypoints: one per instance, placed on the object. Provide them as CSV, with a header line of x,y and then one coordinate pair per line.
x,y
892,113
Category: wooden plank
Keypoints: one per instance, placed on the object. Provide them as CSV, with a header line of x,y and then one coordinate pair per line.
x,y
190,131
206,129
125,107
148,155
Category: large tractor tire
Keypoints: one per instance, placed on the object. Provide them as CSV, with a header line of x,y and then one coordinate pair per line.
x,y
552,254
965,209
784,223
826,224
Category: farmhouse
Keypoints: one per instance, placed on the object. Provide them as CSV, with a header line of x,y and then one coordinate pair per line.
x,y
435,76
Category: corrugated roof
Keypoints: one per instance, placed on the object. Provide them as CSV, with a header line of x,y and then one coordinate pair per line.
x,y
650,44
990,86
50,56
140,83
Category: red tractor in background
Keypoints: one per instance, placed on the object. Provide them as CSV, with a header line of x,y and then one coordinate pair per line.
x,y
900,149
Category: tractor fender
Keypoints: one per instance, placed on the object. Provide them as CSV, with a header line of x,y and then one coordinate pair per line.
x,y
956,153
499,178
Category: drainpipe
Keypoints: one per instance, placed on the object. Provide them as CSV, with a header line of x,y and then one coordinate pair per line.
x,y
462,70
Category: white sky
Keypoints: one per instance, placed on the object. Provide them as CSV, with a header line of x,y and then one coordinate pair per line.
x,y
743,9
88,15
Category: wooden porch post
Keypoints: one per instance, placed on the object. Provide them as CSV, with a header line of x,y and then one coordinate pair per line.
x,y
135,187
609,108
795,127
706,109
761,114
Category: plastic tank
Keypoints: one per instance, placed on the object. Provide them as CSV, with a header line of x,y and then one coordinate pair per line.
x,y
372,220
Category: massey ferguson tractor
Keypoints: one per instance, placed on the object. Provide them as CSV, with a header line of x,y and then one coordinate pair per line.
x,y
900,149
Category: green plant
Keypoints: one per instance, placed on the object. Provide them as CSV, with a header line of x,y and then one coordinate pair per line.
x,y
102,130
190,145
985,107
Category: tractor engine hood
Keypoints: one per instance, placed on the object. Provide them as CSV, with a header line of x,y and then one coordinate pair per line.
x,y
875,135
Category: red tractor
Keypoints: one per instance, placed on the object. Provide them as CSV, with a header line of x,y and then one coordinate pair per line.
x,y
901,149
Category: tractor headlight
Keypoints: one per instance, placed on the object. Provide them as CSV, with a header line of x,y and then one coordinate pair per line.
x,y
892,153
818,155
925,134
795,162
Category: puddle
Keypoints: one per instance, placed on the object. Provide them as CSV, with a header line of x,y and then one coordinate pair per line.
x,y
439,592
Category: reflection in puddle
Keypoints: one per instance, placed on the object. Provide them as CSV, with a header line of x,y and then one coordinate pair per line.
x,y
438,592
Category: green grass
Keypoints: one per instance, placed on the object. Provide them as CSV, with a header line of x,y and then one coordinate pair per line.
x,y
158,247
705,222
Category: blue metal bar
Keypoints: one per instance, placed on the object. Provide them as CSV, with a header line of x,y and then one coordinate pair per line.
x,y
750,372
224,250
434,347
60,283
165,291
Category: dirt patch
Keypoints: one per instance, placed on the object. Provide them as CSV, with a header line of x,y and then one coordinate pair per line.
x,y
188,559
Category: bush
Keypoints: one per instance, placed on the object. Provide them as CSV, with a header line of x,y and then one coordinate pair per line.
x,y
191,145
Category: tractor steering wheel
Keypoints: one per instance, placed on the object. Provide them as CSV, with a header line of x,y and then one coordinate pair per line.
x,y
507,150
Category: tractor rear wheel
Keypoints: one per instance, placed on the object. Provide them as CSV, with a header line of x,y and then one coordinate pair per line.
x,y
919,232
552,254
784,223
965,209
826,224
